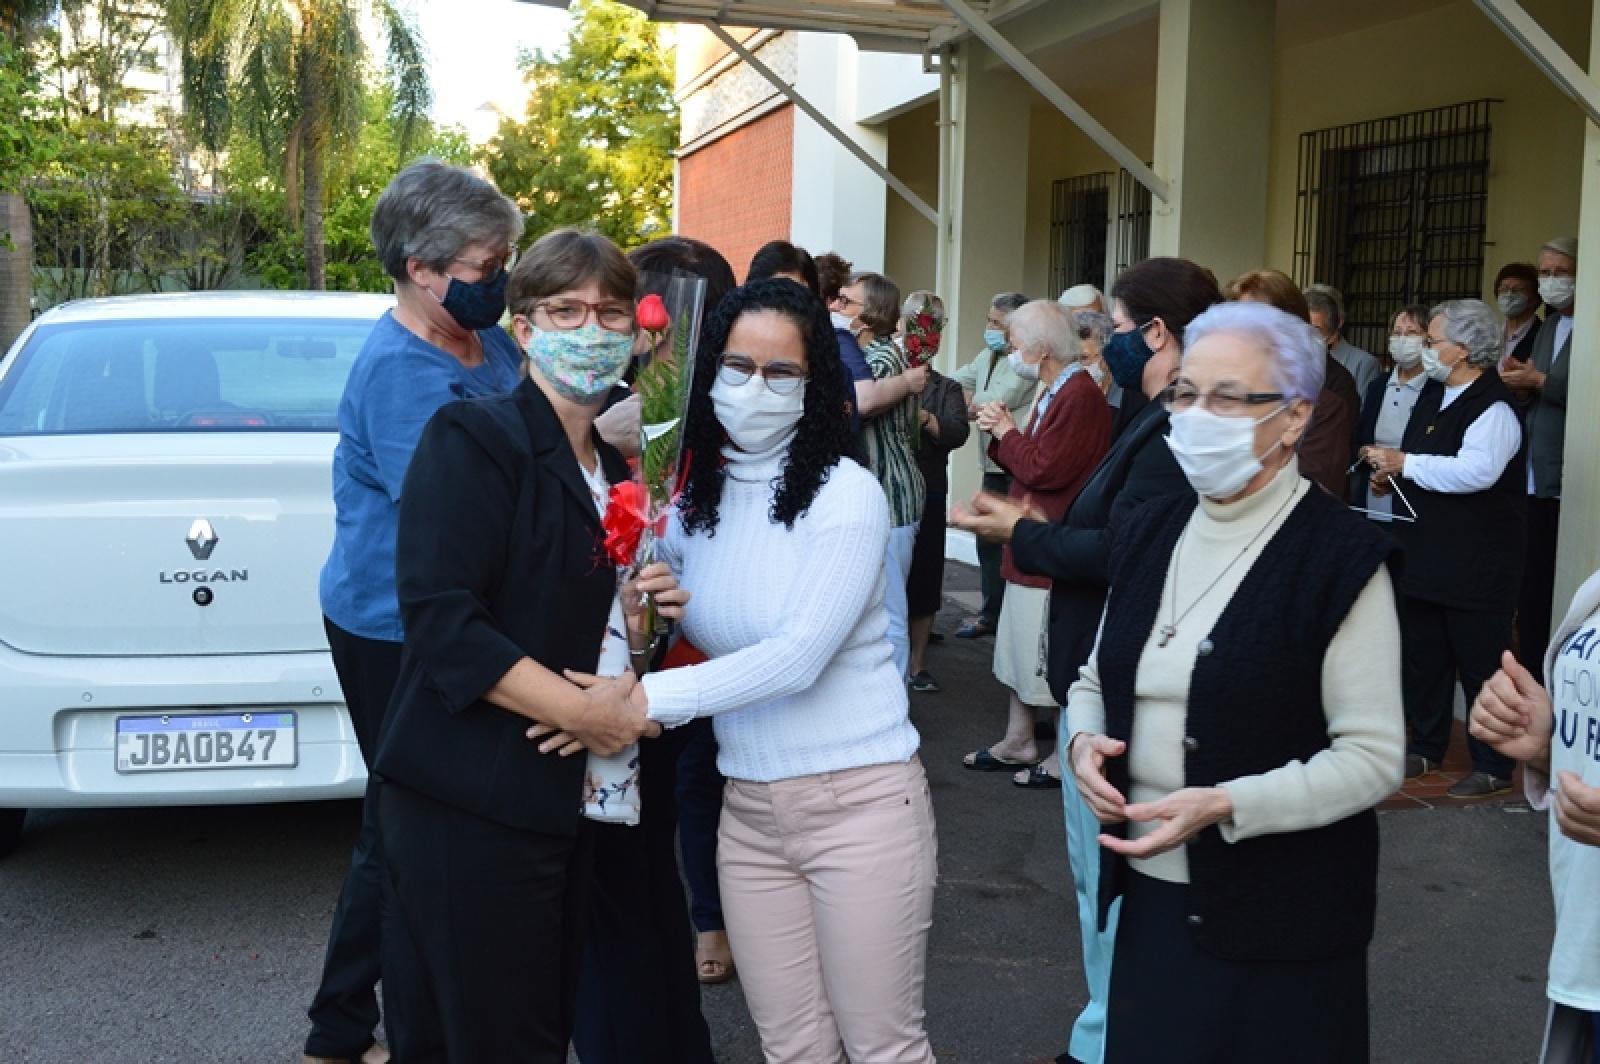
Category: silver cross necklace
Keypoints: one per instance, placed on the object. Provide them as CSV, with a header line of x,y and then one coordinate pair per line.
x,y
1170,629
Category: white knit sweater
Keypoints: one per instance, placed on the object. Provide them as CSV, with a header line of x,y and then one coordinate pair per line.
x,y
801,678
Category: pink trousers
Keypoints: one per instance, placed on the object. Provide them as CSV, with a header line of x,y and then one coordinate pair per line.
x,y
827,886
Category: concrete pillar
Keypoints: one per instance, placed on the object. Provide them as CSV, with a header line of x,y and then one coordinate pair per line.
x,y
1578,553
838,204
1213,132
989,195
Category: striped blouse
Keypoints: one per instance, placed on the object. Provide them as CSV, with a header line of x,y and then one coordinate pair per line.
x,y
887,440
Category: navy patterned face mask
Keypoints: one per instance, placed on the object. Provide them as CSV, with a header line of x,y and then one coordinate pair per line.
x,y
1126,354
478,304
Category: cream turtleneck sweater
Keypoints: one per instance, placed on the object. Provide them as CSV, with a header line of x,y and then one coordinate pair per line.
x,y
1360,686
801,678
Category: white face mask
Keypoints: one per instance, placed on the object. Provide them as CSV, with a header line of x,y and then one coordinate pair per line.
x,y
1405,350
840,321
1558,291
1217,454
1025,370
1096,373
1512,303
1433,367
755,417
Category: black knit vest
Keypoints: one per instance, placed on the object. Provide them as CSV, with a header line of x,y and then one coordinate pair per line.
x,y
1255,703
1463,551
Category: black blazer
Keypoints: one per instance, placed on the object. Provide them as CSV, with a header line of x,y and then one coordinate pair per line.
x,y
498,558
1076,551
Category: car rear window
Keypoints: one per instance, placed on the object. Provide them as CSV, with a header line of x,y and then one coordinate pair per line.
x,y
181,375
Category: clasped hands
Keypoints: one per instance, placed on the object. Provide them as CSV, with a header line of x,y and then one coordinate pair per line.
x,y
615,710
1182,814
995,419
1513,714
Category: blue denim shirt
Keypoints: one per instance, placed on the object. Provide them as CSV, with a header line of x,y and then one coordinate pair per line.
x,y
397,383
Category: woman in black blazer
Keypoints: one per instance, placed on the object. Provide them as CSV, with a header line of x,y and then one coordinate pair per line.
x,y
503,588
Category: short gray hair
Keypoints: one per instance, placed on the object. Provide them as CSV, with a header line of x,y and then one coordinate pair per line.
x,y
1298,356
1094,325
1563,245
431,210
1007,302
1328,300
1047,324
1476,326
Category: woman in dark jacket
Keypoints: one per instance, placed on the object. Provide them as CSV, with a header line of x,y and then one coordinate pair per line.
x,y
503,589
944,428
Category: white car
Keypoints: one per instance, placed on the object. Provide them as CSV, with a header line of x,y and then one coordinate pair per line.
x,y
165,509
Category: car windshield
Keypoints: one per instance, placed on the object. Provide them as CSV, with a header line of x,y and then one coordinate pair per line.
x,y
181,375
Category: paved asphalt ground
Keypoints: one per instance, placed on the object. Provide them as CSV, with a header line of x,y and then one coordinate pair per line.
x,y
196,935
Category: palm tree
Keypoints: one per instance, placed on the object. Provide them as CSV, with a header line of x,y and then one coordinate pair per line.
x,y
18,21
292,71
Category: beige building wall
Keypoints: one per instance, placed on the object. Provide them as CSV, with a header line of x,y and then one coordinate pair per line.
x,y
1446,55
911,244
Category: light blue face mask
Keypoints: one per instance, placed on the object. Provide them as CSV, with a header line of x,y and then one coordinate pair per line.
x,y
581,364
995,340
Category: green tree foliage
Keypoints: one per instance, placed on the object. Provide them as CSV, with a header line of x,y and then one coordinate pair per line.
x,y
293,74
595,147
355,179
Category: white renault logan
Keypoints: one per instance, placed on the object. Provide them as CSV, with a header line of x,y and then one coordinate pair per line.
x,y
165,508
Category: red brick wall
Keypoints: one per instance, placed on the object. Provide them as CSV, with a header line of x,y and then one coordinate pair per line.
x,y
735,192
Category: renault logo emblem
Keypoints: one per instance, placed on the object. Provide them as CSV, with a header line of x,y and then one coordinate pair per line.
x,y
202,539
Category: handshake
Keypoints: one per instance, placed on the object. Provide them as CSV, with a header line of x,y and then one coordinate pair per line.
x,y
612,716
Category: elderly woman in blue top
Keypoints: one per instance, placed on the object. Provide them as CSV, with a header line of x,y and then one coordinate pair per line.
x,y
1239,718
445,235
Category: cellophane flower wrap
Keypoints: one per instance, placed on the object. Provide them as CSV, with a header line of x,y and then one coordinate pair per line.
x,y
924,332
637,511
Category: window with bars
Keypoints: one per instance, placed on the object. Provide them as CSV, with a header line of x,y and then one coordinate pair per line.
x,y
1392,211
1133,222
1079,210
1099,226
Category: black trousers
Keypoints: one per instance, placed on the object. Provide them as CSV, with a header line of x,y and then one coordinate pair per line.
x,y
482,949
639,995
699,795
1440,646
990,556
1173,1003
344,1013
1536,604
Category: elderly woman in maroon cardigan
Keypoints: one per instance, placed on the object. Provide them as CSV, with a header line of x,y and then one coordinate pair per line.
x,y
1049,462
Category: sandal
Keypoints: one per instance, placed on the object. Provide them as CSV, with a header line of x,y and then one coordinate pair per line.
x,y
713,962
984,761
1037,778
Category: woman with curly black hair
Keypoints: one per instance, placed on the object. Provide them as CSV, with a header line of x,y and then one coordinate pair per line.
x,y
826,852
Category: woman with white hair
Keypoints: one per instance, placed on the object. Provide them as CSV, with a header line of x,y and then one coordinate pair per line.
x,y
1237,722
1459,470
1049,462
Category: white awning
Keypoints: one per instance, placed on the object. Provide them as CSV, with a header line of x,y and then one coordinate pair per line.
x,y
913,26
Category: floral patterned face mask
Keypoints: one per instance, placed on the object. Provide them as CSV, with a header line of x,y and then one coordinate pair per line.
x,y
581,364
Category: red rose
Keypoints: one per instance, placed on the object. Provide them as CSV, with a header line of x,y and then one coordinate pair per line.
x,y
914,345
652,314
624,522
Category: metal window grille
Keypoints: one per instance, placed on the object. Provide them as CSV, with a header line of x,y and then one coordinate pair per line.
x,y
1133,223
1392,211
1079,212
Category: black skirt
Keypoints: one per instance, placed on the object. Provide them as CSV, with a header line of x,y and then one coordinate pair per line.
x,y
1173,1003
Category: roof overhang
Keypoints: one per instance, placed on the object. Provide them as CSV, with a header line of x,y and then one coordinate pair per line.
x,y
912,26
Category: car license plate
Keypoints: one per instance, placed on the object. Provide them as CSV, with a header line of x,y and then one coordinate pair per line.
x,y
176,742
